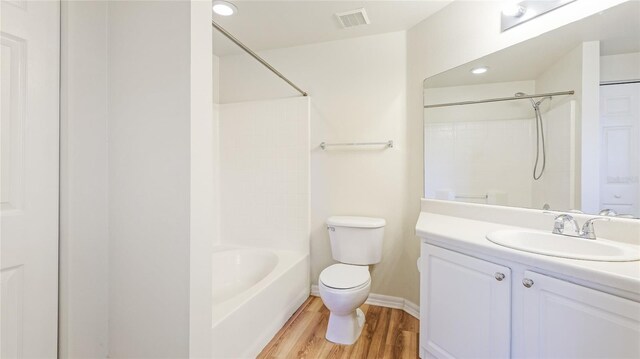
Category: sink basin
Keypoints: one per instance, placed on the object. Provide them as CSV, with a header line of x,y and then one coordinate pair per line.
x,y
556,245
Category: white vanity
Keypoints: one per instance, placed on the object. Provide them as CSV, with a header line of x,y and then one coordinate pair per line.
x,y
546,129
480,299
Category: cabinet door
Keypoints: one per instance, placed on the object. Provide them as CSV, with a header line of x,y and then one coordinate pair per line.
x,y
566,320
465,306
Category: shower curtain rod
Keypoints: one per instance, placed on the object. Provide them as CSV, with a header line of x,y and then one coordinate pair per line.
x,y
550,94
256,56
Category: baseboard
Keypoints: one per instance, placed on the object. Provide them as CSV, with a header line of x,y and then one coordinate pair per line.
x,y
386,301
412,309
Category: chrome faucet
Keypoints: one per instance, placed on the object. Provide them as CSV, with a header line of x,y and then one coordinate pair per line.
x,y
587,231
558,225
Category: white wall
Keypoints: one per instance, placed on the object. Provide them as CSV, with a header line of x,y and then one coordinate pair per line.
x,y
216,148
589,129
149,178
563,75
264,174
203,196
442,42
84,228
136,76
573,72
620,67
357,90
216,79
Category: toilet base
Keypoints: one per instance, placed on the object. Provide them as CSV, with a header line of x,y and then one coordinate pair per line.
x,y
345,329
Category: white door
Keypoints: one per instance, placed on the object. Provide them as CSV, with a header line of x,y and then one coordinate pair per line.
x,y
620,153
29,79
566,320
465,306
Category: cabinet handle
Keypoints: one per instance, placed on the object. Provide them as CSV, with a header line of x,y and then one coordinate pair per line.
x,y
527,282
499,276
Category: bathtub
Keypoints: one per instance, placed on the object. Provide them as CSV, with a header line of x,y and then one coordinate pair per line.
x,y
255,291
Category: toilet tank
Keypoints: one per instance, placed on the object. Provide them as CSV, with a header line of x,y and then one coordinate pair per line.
x,y
356,240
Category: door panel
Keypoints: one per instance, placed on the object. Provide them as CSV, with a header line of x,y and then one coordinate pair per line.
x,y
29,151
620,161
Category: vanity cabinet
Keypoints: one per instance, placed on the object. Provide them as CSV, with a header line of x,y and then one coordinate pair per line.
x,y
467,305
473,308
566,320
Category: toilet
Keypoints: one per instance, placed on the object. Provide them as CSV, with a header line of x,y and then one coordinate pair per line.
x,y
356,242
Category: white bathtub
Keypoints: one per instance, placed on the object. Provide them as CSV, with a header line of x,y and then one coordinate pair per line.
x,y
255,291
237,270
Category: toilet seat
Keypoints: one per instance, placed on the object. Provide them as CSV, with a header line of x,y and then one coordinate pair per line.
x,y
345,276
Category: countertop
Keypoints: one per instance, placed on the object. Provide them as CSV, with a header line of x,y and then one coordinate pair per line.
x,y
469,236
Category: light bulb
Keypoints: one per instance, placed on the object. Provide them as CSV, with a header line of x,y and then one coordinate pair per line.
x,y
224,8
479,70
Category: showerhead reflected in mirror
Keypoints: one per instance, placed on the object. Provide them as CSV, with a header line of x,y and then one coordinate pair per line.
x,y
554,123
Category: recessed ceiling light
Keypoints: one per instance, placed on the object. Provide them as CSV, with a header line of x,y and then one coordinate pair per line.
x,y
479,70
224,8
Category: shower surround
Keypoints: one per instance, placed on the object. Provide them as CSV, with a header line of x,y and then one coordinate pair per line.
x,y
263,214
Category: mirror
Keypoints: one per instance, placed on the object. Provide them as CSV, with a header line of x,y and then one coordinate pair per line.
x,y
554,122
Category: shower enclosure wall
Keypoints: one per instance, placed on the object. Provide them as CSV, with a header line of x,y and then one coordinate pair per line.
x,y
260,256
261,251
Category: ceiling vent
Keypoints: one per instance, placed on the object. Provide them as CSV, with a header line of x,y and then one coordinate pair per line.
x,y
353,18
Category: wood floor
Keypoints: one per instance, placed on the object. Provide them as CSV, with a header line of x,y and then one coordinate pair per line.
x,y
388,333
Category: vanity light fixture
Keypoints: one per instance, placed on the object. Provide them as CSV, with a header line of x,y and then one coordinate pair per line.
x,y
516,12
224,8
479,70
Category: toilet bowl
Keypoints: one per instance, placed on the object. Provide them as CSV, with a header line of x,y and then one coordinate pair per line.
x,y
343,289
356,242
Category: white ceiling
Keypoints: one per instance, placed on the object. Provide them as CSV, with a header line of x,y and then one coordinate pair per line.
x,y
617,29
262,24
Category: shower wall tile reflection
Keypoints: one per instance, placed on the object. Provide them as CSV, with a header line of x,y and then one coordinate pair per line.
x,y
491,161
556,188
474,159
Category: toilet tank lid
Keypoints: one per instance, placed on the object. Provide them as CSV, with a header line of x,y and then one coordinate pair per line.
x,y
356,222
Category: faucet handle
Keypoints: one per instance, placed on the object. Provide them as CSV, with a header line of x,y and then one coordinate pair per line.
x,y
558,224
588,231
608,212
